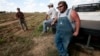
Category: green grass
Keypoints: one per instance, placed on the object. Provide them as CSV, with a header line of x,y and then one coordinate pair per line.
x,y
38,30
18,46
36,23
2,41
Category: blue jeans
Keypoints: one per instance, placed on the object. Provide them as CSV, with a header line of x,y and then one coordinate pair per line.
x,y
46,23
62,40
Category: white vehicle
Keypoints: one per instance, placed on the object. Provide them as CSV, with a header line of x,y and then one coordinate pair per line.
x,y
90,21
90,17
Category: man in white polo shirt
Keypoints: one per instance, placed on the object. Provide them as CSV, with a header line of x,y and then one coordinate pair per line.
x,y
49,17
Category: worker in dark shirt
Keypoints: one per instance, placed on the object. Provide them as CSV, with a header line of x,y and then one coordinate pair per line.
x,y
21,18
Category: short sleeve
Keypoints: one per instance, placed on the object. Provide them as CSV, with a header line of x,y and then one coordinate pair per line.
x,y
49,12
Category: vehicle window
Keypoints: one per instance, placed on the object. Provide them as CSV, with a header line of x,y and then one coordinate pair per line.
x,y
88,7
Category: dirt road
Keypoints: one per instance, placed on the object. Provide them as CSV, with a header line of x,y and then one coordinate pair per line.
x,y
11,22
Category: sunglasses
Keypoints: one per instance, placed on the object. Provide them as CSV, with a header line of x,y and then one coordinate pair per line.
x,y
59,7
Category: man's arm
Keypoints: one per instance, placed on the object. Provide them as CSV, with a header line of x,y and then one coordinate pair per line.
x,y
54,20
46,18
76,18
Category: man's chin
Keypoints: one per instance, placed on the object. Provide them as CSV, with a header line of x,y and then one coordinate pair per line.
x,y
61,12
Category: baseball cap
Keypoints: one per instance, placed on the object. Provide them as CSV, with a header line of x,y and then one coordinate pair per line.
x,y
50,4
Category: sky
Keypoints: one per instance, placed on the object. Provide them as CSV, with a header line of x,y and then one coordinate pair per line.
x,y
36,5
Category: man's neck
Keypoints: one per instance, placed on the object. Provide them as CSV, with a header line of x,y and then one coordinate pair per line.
x,y
64,11
19,11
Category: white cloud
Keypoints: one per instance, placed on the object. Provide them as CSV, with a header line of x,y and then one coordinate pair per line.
x,y
76,2
29,2
2,1
6,6
37,5
32,6
92,1
55,2
29,5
